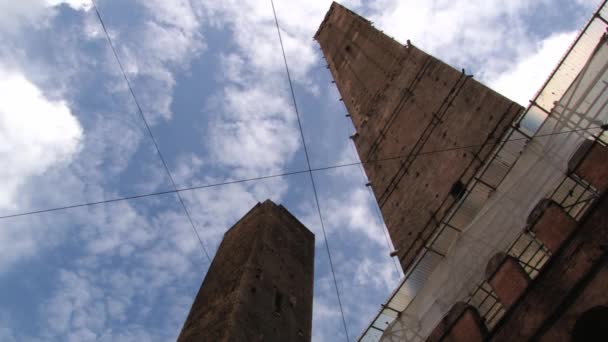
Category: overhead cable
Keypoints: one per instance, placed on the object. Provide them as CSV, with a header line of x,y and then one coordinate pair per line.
x,y
244,180
143,117
312,179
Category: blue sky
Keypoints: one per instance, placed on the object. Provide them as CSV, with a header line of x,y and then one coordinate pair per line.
x,y
210,79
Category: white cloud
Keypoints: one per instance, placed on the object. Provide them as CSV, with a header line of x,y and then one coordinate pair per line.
x,y
35,133
525,77
153,49
184,14
6,334
66,311
255,34
588,4
487,34
121,251
326,318
16,15
126,252
376,273
110,234
79,5
187,169
30,237
353,211
16,243
103,294
256,132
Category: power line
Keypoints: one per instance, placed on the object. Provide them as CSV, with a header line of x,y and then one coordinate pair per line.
x,y
284,174
312,179
309,170
151,194
143,117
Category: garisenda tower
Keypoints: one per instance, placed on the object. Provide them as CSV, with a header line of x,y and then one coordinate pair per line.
x,y
406,103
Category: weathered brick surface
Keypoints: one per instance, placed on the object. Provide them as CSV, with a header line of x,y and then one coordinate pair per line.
x,y
567,284
403,101
551,224
259,286
461,324
592,295
590,162
507,278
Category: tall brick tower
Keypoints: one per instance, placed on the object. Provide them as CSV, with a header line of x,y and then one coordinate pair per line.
x,y
404,102
259,286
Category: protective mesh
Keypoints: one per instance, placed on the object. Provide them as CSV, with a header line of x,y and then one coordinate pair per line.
x,y
494,218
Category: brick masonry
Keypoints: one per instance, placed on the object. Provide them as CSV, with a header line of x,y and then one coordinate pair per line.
x,y
551,224
461,324
507,278
259,286
403,102
572,281
590,162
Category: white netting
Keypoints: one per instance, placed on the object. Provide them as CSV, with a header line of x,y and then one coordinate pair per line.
x,y
540,169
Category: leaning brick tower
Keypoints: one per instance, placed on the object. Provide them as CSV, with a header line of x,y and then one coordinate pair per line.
x,y
406,106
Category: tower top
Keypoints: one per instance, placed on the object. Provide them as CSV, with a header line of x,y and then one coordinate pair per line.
x,y
260,283
269,206
334,8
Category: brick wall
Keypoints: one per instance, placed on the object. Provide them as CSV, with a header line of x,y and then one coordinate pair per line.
x,y
404,102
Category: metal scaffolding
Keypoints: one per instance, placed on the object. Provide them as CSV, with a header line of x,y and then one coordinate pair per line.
x,y
529,164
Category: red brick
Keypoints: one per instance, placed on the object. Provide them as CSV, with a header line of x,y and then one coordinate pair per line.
x,y
395,94
461,324
507,278
551,224
573,281
590,162
260,283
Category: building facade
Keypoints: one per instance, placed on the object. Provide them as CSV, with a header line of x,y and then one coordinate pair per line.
x,y
526,256
259,286
423,128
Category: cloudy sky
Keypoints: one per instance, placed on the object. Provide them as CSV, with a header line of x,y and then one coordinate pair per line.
x,y
211,82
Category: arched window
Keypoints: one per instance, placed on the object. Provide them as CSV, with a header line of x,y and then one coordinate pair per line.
x,y
592,325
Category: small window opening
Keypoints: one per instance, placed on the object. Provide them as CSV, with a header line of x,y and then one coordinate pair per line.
x,y
292,301
458,190
278,299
